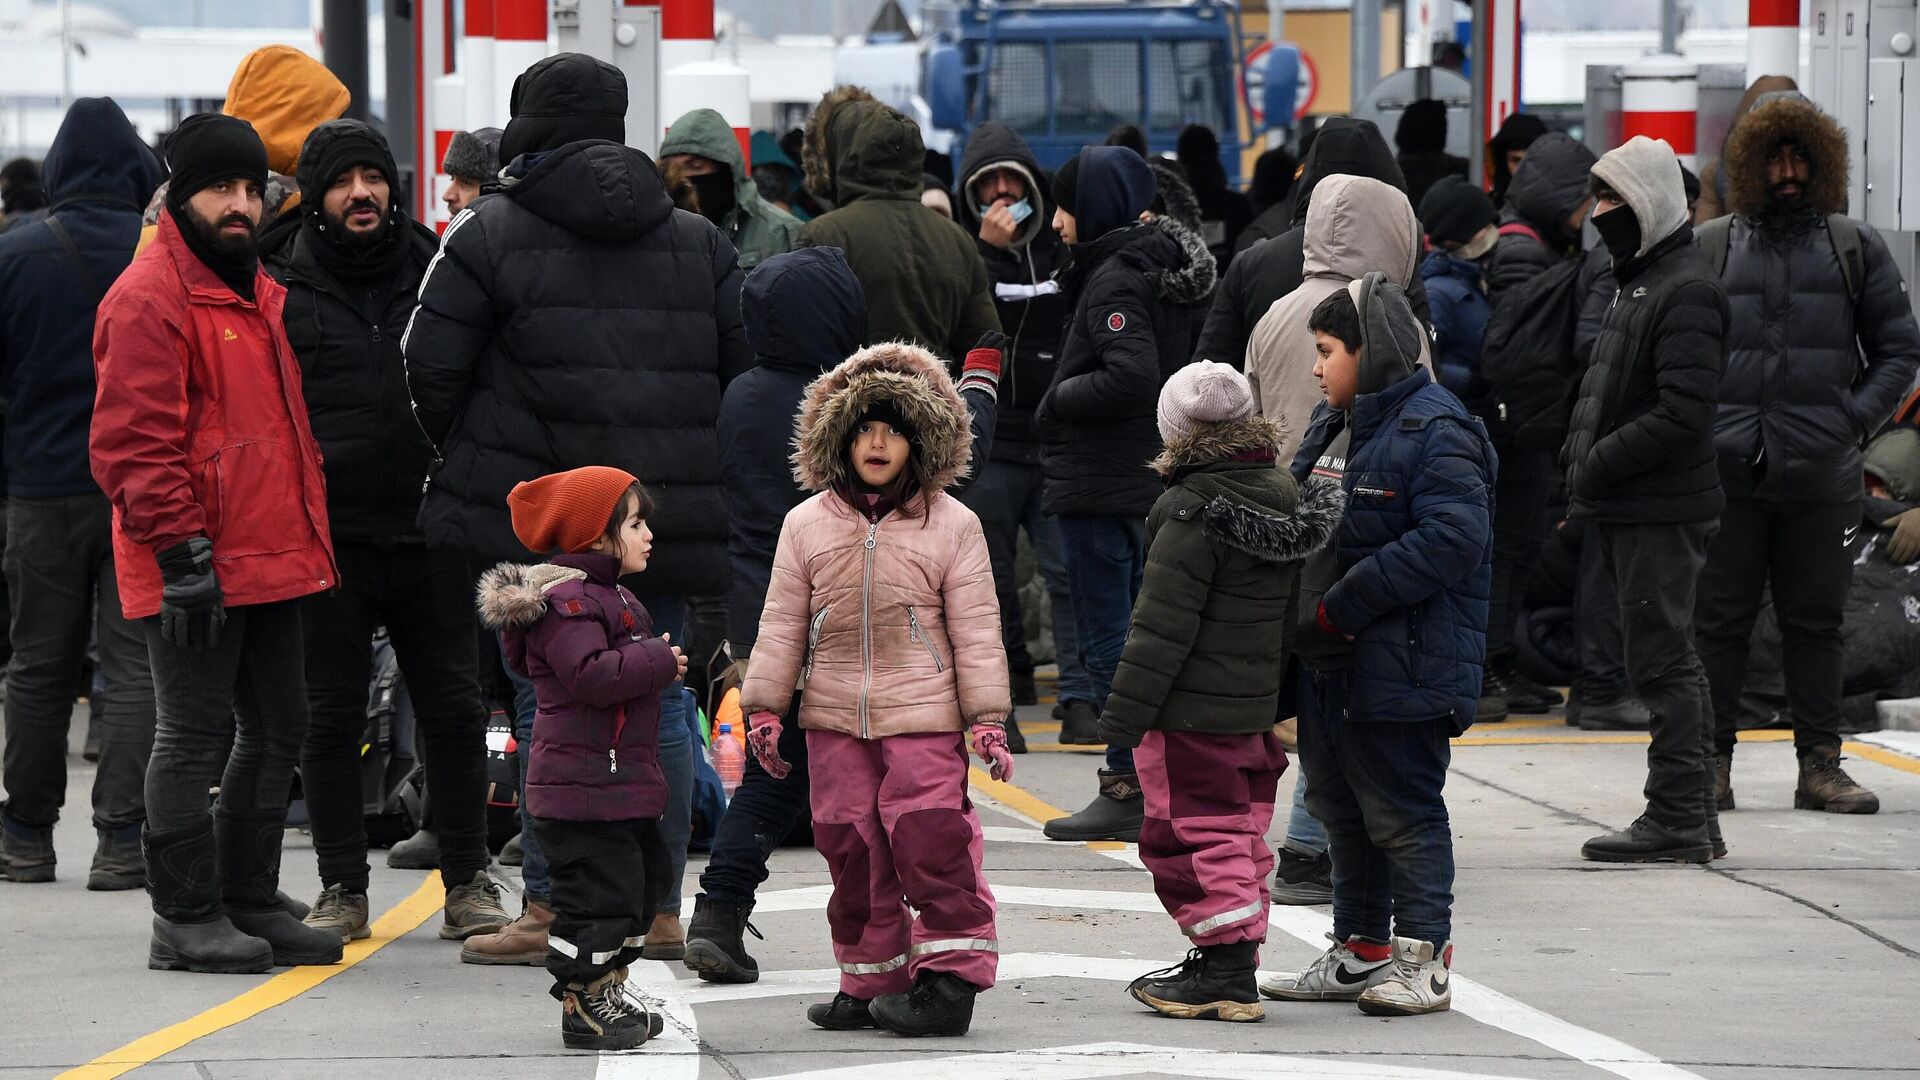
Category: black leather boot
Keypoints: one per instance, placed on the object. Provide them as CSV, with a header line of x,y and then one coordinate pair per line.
x,y
1214,982
249,849
1114,814
717,944
190,931
940,1003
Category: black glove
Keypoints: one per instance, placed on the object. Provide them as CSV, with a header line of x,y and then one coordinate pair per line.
x,y
192,607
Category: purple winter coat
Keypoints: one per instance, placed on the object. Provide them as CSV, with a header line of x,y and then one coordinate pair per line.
x,y
598,672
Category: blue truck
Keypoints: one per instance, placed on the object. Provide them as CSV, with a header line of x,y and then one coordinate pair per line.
x,y
1063,73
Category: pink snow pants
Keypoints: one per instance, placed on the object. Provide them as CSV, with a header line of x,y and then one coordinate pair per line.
x,y
1209,802
893,819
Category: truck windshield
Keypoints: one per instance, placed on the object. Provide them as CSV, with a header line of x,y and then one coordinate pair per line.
x,y
1096,85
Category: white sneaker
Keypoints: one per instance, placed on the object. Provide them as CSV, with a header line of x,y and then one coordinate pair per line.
x,y
1419,980
1338,975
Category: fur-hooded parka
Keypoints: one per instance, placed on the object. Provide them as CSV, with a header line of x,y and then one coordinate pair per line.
x,y
1786,116
910,378
815,163
1193,282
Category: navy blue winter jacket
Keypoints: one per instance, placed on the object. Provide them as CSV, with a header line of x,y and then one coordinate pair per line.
x,y
99,176
1458,301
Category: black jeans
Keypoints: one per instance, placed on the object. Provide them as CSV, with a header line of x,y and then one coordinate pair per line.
x,y
1520,525
1602,676
760,815
59,569
1801,551
1654,569
424,597
249,692
608,879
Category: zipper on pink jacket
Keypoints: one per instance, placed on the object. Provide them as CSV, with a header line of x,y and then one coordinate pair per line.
x,y
866,630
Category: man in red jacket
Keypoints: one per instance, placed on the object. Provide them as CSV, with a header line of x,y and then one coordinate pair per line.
x,y
200,440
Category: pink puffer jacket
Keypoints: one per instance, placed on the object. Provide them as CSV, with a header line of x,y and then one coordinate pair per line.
x,y
893,627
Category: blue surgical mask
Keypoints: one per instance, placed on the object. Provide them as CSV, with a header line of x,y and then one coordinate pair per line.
x,y
1021,210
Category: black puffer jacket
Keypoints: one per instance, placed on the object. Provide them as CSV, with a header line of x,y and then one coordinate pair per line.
x,y
347,339
1810,374
1273,268
1028,295
575,319
1129,332
1549,186
1640,449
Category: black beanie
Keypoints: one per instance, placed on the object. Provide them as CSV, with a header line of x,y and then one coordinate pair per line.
x,y
889,414
565,98
339,145
1066,186
1453,212
210,147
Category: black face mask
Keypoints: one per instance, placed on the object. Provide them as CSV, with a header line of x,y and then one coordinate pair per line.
x,y
1620,230
716,194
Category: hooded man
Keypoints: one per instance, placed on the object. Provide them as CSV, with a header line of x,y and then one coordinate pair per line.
x,y
1640,464
472,165
352,271
1003,202
1421,138
923,278
201,442
1507,149
1344,147
1355,225
59,554
1713,177
704,145
582,223
1823,346
1097,428
775,174
1224,212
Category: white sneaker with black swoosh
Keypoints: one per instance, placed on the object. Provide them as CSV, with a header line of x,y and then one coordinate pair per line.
x,y
1338,975
1419,979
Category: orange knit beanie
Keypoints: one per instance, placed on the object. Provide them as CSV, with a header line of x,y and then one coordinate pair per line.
x,y
567,511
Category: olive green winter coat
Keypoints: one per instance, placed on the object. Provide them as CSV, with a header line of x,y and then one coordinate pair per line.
x,y
759,230
1225,542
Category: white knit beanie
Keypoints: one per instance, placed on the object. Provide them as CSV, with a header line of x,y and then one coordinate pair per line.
x,y
1203,392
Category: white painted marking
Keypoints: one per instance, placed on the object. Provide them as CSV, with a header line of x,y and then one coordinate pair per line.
x,y
1094,1060
674,1054
1900,742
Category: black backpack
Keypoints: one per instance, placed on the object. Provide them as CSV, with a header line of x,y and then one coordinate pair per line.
x,y
1527,355
1716,237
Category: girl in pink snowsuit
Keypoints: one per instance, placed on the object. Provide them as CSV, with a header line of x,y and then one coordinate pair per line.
x,y
882,608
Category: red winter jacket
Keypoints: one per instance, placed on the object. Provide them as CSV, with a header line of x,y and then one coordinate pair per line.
x,y
199,429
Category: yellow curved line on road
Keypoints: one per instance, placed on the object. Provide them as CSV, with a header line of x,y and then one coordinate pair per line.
x,y
282,988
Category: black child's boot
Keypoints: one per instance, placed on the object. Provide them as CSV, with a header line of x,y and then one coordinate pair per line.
x,y
1114,814
1214,982
599,1016
717,944
249,848
940,1003
190,931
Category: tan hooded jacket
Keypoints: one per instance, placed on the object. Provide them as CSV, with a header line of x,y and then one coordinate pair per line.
x,y
1355,224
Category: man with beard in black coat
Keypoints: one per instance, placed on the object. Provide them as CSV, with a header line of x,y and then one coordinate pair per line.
x,y
352,271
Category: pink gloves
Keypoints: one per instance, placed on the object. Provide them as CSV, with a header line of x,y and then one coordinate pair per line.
x,y
990,742
763,738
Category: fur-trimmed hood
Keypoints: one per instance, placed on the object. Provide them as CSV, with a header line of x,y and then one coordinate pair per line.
x,y
515,594
1193,281
1218,442
1176,194
1273,537
1785,116
909,377
816,167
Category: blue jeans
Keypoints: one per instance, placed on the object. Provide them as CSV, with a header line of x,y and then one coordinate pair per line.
x,y
1007,498
1104,555
1376,785
759,816
1305,834
676,760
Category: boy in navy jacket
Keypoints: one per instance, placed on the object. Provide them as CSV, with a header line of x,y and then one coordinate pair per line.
x,y
1397,641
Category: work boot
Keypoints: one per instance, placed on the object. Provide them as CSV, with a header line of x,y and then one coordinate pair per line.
x,y
1624,715
1527,697
1016,742
473,908
1419,980
940,1003
247,846
1300,879
1824,785
666,939
1493,707
522,941
1214,982
1025,691
1647,841
510,851
26,852
844,1013
342,911
118,863
1114,814
598,1016
717,944
421,851
1079,724
190,930
1723,781
1339,974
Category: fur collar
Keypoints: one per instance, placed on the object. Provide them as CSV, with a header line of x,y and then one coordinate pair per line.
x,y
917,384
515,594
1274,537
1193,282
1773,121
816,167
1218,442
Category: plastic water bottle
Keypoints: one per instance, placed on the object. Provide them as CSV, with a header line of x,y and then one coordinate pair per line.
x,y
728,759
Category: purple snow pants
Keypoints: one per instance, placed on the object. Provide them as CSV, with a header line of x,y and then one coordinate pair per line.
x,y
1209,802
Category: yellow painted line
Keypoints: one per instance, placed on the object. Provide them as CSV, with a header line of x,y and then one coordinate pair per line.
x,y
1880,755
279,990
1026,802
1044,748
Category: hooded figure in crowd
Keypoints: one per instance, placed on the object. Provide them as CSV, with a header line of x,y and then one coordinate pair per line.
x,y
705,143
1509,147
1224,211
1714,192
1421,138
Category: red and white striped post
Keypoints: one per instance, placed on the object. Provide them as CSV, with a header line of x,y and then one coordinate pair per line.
x,y
690,77
1500,75
520,41
1773,39
476,64
1660,98
439,106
